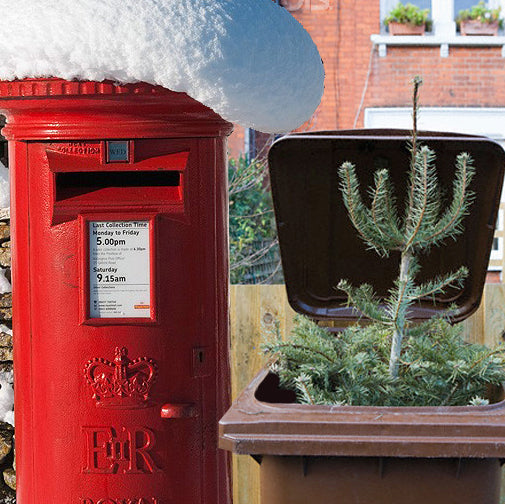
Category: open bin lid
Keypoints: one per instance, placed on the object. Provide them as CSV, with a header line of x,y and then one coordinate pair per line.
x,y
319,246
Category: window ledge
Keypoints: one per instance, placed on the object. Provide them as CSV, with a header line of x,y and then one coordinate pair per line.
x,y
382,41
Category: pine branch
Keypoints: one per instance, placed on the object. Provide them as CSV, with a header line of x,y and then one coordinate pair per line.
x,y
360,216
451,394
383,211
450,223
363,300
435,357
416,84
419,192
425,208
391,208
396,308
439,284
486,355
400,294
301,382
422,227
278,346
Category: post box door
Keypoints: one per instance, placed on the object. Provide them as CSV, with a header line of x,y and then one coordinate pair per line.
x,y
124,406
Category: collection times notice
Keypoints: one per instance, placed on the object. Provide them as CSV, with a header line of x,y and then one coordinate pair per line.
x,y
119,269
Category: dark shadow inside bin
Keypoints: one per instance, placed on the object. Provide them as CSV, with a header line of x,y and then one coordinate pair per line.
x,y
270,391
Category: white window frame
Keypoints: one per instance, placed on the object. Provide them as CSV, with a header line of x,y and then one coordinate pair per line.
x,y
487,121
497,254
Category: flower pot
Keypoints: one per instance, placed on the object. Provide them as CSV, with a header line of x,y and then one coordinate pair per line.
x,y
475,27
358,454
361,454
406,29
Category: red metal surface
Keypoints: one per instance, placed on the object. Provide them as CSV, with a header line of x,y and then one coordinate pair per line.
x,y
93,395
98,111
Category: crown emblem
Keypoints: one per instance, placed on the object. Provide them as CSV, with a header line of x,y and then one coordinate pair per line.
x,y
123,383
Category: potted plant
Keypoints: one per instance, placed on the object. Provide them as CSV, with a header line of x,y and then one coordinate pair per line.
x,y
479,20
406,20
378,425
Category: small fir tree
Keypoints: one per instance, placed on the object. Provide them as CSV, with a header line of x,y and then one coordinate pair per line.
x,y
424,225
367,365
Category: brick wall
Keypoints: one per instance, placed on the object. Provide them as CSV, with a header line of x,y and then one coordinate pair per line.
x,y
469,76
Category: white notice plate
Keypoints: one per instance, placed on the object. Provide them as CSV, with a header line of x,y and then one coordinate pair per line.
x,y
119,269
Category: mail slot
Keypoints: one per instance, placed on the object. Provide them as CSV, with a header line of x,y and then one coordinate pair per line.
x,y
119,220
73,184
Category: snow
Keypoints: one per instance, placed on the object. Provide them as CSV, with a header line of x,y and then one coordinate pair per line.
x,y
6,389
249,60
5,285
6,397
4,187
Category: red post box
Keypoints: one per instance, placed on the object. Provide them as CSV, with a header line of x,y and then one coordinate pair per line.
x,y
119,217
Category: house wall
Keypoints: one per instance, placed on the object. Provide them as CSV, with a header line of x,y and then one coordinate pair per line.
x,y
468,77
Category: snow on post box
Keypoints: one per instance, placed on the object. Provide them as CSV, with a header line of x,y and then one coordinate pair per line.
x,y
119,225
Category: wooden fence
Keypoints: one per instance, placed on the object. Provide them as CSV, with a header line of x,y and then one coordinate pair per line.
x,y
254,310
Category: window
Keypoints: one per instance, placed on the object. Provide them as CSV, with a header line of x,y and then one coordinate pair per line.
x,y
496,259
442,12
443,27
467,4
387,5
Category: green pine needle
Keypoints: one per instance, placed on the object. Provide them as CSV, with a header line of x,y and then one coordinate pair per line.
x,y
437,367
